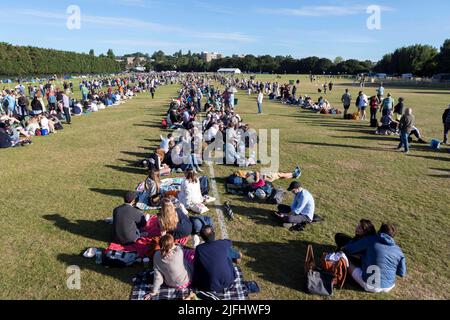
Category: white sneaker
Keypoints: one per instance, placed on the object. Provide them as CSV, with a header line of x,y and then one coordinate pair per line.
x,y
197,241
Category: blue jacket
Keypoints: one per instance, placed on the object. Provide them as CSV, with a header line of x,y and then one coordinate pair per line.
x,y
380,250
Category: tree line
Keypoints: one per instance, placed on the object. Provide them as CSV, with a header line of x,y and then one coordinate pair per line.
x,y
32,61
420,60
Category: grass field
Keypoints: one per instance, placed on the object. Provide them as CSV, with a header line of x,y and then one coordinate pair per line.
x,y
56,193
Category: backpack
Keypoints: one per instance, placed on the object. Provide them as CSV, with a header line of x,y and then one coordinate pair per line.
x,y
38,132
164,124
119,259
268,188
5,103
276,197
358,100
336,267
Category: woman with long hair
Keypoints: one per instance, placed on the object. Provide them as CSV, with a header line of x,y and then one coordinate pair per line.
x,y
170,266
191,195
174,221
152,187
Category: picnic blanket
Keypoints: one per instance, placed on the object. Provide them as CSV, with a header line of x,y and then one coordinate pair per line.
x,y
142,285
146,246
171,184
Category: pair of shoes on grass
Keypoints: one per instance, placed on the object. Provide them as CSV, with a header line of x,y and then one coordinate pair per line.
x,y
297,172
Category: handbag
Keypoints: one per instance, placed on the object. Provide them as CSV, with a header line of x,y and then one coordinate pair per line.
x,y
317,281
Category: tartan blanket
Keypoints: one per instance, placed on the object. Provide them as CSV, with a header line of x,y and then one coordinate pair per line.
x,y
142,284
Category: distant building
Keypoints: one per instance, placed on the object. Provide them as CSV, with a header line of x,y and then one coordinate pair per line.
x,y
132,60
210,56
229,71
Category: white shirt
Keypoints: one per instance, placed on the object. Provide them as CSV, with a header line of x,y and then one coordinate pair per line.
x,y
363,101
44,124
190,194
260,97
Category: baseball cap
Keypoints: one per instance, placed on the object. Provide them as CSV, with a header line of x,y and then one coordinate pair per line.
x,y
294,185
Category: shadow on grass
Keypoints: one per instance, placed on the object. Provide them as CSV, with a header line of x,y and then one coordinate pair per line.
x,y
281,263
136,171
334,145
119,193
258,215
96,230
431,158
124,275
140,155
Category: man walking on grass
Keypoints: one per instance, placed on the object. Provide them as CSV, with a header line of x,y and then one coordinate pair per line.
x,y
406,126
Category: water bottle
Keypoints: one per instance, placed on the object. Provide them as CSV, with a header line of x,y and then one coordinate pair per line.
x,y
98,256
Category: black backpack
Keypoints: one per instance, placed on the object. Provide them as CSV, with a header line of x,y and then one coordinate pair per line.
x,y
5,103
119,259
276,197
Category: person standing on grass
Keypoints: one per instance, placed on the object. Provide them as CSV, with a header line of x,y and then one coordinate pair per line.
x,y
362,105
374,103
387,105
260,101
446,121
66,108
152,92
346,101
406,126
380,91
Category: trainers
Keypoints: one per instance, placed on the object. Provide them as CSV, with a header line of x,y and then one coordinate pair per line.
x,y
251,195
179,170
288,225
297,173
297,227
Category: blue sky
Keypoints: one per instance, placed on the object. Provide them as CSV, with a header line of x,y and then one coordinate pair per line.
x,y
326,28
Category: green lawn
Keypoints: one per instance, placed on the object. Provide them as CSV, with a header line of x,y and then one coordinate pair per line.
x,y
56,193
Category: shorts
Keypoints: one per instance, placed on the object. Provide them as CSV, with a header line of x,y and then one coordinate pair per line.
x,y
357,276
346,107
362,108
272,176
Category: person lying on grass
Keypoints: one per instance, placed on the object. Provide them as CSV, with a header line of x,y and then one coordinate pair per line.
x,y
381,260
301,211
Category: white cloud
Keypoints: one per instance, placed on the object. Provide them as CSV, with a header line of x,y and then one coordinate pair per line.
x,y
104,21
321,11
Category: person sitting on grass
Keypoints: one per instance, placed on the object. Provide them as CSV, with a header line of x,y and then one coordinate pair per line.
x,y
174,221
127,221
388,125
382,260
170,267
213,266
190,195
152,188
301,211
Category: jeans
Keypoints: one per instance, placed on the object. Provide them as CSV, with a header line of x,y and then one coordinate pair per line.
x,y
67,115
373,114
259,107
404,141
292,218
446,130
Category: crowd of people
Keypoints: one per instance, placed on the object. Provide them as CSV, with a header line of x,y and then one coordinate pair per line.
x,y
40,109
208,263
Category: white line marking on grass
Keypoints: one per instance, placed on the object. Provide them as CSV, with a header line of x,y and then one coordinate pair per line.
x,y
219,212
